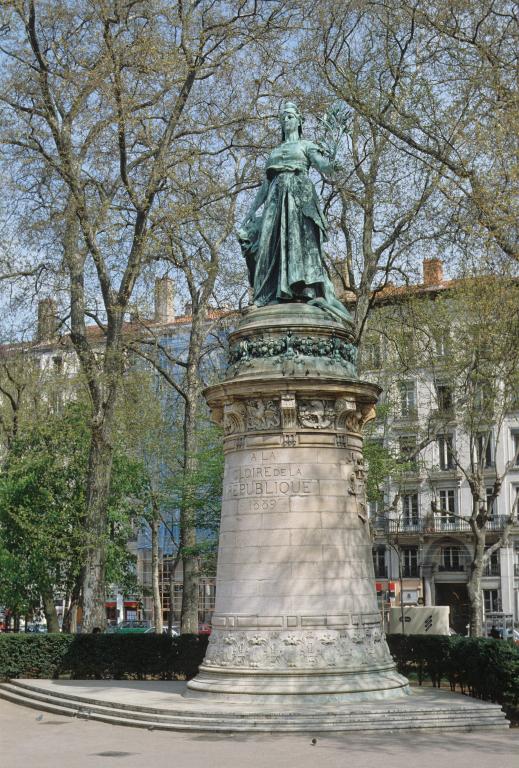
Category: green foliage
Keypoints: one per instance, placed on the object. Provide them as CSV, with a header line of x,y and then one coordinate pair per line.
x,y
106,657
42,504
380,464
170,478
487,669
42,509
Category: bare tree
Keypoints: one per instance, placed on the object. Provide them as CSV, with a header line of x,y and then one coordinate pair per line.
x,y
440,83
105,109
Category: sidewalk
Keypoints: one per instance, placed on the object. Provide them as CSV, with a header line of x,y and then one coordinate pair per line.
x,y
49,741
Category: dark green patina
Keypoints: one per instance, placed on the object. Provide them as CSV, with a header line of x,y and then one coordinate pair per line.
x,y
292,346
283,246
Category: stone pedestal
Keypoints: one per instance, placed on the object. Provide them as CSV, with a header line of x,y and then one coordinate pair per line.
x,y
296,616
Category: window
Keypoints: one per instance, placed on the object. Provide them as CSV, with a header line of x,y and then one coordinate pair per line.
x,y
410,509
376,513
445,450
442,341
492,566
445,398
407,398
483,397
483,445
515,500
379,562
452,559
410,562
407,349
491,503
57,362
371,353
515,446
447,499
407,448
492,600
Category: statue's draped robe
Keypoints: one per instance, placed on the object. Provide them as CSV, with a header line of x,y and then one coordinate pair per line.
x,y
283,247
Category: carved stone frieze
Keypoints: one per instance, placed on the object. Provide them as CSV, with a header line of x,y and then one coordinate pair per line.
x,y
302,649
263,414
316,414
344,407
357,485
234,415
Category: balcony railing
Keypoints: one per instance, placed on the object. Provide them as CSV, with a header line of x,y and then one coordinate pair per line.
x,y
492,569
454,566
438,524
410,571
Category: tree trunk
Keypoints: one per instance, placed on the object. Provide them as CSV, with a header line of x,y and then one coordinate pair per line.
x,y
70,616
171,599
50,611
191,575
474,587
155,562
172,572
98,490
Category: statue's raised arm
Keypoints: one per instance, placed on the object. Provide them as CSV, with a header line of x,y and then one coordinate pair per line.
x,y
283,245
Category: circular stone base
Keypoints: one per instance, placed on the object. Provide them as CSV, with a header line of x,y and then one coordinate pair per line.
x,y
301,689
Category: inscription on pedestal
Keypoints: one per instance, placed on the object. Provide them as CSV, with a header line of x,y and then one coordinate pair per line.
x,y
259,476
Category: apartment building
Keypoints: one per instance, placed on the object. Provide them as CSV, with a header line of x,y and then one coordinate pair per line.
x,y
423,542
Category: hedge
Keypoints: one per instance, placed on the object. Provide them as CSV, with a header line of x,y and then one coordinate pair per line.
x,y
484,668
115,657
487,669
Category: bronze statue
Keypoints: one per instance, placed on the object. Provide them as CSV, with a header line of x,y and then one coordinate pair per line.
x,y
283,246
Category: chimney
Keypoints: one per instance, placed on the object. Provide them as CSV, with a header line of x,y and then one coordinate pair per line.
x,y
48,320
164,294
432,272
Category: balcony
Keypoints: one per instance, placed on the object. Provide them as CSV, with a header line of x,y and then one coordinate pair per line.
x,y
492,569
456,566
410,527
410,571
439,524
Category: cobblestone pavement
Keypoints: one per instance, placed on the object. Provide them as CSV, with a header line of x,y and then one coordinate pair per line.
x,y
31,738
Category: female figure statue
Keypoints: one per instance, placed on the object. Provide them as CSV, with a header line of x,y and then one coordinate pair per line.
x,y
283,246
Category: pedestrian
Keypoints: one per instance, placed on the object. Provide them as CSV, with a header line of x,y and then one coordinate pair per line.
x,y
495,633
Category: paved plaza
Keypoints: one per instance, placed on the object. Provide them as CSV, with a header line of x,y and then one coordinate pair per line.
x,y
28,737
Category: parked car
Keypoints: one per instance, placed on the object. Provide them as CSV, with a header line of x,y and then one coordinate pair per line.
x,y
131,627
36,628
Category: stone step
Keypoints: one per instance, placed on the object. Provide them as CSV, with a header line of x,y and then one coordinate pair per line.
x,y
454,705
379,719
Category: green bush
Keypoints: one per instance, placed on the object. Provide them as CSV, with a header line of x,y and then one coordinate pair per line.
x,y
487,669
103,657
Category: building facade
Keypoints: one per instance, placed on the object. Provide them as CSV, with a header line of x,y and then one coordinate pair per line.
x,y
423,543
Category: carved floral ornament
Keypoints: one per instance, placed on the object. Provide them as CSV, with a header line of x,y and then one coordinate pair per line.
x,y
316,414
332,349
289,413
299,650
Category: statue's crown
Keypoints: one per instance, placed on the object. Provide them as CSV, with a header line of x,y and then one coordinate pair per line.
x,y
290,106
